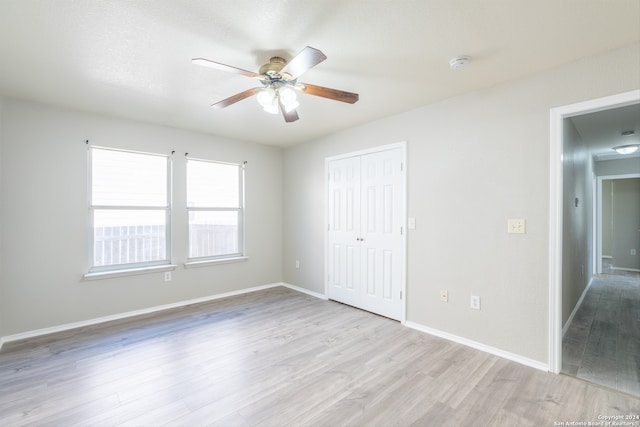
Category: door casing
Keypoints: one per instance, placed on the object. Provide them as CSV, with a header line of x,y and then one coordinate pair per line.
x,y
557,115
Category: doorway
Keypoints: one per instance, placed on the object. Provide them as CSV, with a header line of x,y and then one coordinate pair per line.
x,y
366,233
601,342
557,199
618,242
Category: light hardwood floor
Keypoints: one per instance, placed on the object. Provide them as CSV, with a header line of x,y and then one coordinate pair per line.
x,y
602,344
278,357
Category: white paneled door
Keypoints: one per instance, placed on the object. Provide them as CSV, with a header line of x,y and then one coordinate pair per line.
x,y
365,231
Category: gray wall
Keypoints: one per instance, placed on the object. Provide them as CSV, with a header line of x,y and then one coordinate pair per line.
x,y
577,230
474,161
44,217
617,167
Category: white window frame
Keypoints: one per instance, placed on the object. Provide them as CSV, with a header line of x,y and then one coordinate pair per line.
x,y
138,267
240,254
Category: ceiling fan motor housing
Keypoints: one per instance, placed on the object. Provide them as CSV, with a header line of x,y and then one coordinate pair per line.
x,y
273,68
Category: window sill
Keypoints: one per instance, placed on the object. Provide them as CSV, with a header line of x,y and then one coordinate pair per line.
x,y
208,262
129,272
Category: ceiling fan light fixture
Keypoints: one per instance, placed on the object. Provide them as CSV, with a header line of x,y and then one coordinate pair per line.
x,y
272,109
279,83
288,97
266,96
291,106
627,149
268,100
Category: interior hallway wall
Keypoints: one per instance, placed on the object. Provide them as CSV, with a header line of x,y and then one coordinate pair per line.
x,y
577,223
617,167
474,161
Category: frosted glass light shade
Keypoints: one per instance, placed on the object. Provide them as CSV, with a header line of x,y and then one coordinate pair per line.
x,y
288,97
627,149
268,99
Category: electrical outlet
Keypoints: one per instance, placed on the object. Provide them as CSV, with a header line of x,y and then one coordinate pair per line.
x,y
634,252
297,263
516,226
167,276
444,296
475,302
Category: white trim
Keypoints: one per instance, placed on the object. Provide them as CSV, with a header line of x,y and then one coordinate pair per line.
x,y
595,202
209,262
565,328
1,342
555,243
405,228
557,115
379,148
402,145
626,269
129,272
479,346
305,291
90,322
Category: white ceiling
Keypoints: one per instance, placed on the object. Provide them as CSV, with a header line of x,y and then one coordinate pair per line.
x,y
132,58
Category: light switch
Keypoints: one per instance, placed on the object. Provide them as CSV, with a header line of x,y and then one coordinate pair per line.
x,y
411,222
516,226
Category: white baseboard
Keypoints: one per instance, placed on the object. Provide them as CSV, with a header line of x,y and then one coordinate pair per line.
x,y
479,346
66,327
565,328
635,270
305,291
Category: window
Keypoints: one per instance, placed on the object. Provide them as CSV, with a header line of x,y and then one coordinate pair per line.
x,y
129,204
215,209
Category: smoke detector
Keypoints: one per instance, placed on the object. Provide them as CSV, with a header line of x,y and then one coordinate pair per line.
x,y
459,62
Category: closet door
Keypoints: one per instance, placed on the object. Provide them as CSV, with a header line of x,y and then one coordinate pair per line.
x,y
343,237
365,242
382,242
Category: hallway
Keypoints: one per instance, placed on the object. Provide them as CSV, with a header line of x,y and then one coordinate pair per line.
x,y
602,344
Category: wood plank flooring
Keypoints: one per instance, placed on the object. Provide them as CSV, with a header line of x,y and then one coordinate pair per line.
x,y
602,344
275,358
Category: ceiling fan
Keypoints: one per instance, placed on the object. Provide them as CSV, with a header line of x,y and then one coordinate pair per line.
x,y
280,85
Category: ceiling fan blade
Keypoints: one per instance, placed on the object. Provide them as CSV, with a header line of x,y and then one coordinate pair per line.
x,y
290,116
325,92
237,97
224,67
305,60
